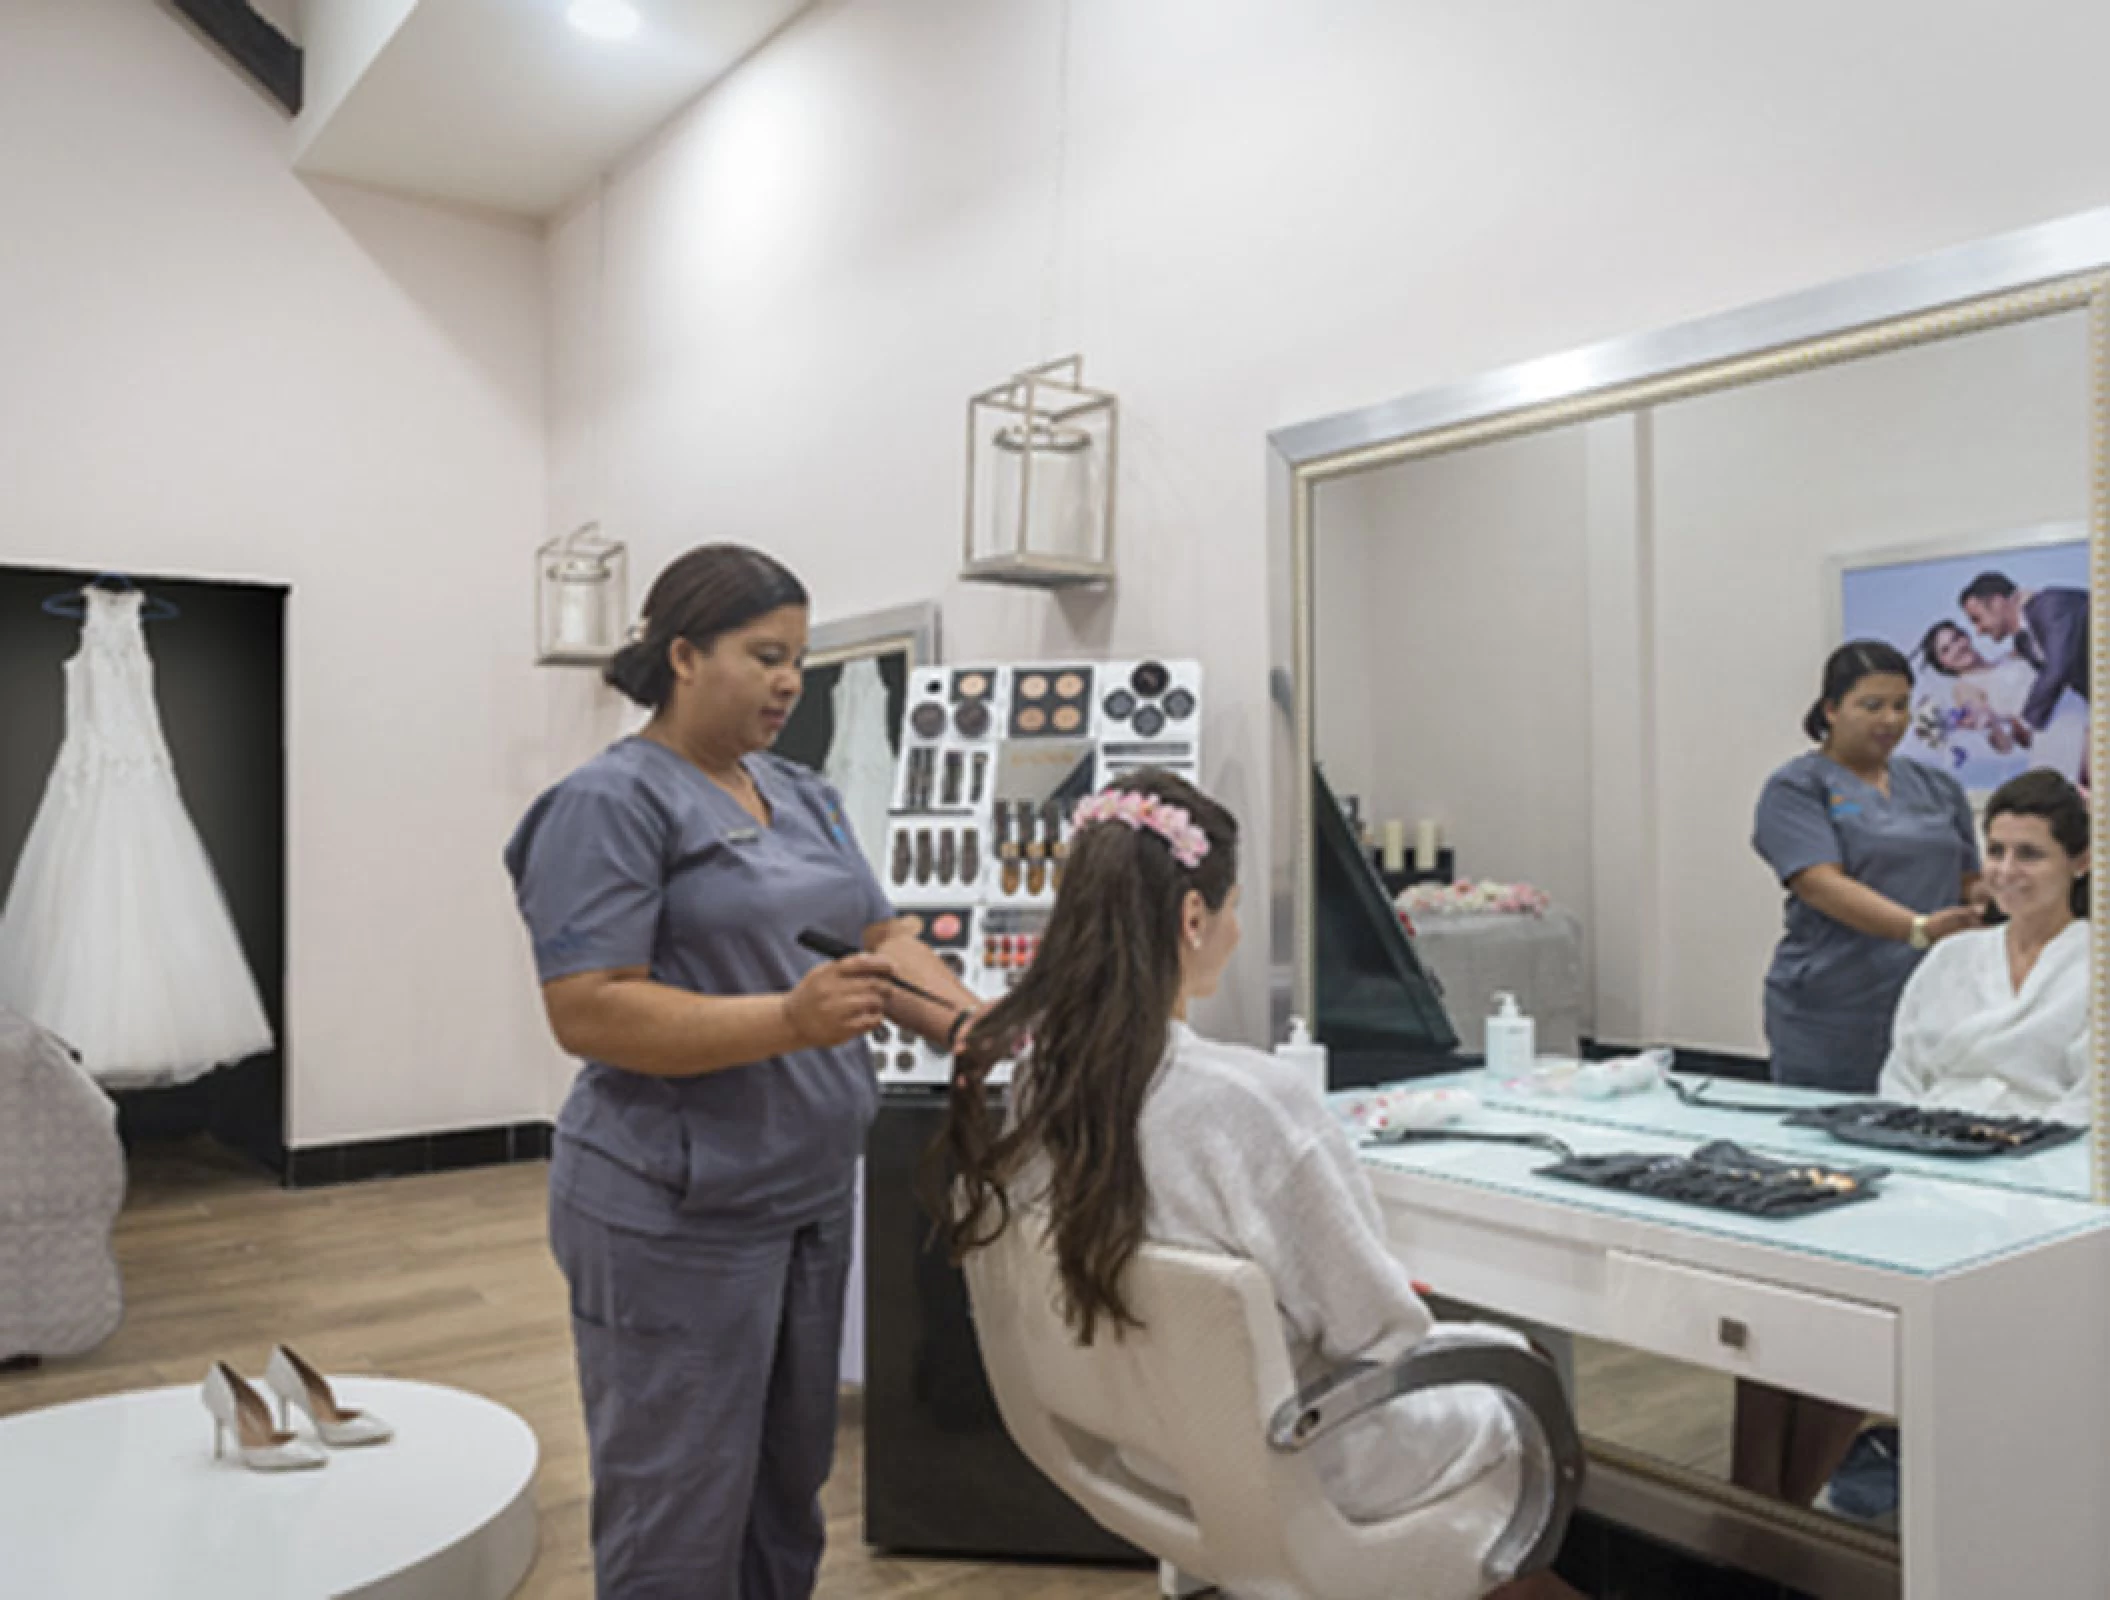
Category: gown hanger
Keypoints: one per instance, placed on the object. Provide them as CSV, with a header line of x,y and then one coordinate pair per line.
x,y
74,602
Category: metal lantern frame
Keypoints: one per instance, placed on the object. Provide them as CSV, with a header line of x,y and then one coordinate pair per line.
x,y
1050,404
584,547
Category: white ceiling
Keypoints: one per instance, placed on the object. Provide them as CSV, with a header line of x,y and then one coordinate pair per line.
x,y
503,104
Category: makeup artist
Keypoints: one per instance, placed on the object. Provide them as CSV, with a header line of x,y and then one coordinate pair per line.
x,y
1879,857
702,1176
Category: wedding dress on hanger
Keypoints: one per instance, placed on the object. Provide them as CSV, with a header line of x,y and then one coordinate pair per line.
x,y
115,935
860,761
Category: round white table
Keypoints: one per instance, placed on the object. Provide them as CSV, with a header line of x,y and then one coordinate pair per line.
x,y
119,1497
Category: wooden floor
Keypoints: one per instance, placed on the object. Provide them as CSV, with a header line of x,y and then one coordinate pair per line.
x,y
448,1279
445,1279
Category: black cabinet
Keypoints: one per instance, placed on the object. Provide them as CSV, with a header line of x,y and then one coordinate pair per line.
x,y
941,1475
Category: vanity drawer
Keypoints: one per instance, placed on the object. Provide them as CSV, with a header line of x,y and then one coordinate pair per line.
x,y
1839,1350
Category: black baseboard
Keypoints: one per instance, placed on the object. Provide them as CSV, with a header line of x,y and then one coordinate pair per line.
x,y
316,1165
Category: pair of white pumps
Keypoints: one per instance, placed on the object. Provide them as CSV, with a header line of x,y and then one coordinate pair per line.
x,y
239,1410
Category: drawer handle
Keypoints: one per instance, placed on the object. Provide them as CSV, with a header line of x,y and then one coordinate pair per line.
x,y
1733,1333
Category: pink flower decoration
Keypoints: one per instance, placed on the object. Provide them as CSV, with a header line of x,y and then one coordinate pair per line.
x,y
1133,809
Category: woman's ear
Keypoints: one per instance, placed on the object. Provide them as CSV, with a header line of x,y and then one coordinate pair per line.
x,y
684,659
1194,912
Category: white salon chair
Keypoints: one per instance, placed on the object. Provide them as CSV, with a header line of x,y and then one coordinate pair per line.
x,y
62,1180
1205,1390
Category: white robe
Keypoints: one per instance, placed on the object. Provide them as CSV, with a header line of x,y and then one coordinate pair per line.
x,y
1966,1040
1243,1158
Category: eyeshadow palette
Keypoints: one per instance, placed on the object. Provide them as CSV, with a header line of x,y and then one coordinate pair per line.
x,y
1050,702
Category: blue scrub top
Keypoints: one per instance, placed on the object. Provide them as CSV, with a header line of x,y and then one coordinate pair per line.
x,y
1914,845
639,860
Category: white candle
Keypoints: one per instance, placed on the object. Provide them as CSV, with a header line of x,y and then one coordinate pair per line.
x,y
1425,845
1395,845
576,607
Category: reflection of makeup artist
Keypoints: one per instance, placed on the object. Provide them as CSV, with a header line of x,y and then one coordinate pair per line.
x,y
1875,853
702,1175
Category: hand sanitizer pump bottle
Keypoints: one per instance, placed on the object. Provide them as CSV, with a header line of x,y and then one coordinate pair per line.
x,y
1511,1046
1304,1053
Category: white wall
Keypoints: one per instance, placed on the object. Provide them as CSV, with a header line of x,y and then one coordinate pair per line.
x,y
339,40
208,367
1245,214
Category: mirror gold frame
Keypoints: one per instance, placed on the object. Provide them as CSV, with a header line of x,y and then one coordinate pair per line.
x,y
2044,271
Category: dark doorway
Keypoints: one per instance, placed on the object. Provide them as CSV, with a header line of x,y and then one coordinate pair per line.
x,y
219,671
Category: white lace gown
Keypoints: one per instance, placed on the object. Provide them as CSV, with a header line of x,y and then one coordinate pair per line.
x,y
115,935
860,762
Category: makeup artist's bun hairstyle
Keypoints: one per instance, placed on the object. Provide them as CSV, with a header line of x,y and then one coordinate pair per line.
x,y
1087,1027
1846,667
709,591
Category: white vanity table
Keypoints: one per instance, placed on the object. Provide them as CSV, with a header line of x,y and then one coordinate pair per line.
x,y
1908,1304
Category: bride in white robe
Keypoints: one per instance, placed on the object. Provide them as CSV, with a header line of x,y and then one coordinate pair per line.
x,y
1995,1020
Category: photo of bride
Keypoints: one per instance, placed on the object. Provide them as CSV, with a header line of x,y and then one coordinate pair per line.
x,y
1998,638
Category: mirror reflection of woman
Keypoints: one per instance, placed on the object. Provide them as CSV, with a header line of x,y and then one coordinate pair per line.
x,y
1879,856
1996,1020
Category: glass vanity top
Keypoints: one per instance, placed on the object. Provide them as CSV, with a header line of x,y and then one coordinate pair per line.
x,y
2062,1170
1918,1224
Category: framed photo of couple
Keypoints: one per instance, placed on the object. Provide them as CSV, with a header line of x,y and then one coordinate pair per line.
x,y
1996,629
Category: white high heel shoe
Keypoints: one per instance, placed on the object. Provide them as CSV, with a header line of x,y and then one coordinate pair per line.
x,y
238,1409
298,1384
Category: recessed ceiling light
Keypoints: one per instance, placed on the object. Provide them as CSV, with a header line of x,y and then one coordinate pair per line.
x,y
603,19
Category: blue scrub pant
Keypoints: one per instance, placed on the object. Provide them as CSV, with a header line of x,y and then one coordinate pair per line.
x,y
708,1361
1838,1048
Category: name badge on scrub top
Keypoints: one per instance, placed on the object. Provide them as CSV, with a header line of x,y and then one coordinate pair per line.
x,y
742,835
1843,807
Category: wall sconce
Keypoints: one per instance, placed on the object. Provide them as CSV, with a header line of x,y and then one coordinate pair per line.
x,y
1040,480
581,581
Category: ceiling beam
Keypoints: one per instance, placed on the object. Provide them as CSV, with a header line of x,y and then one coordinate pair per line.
x,y
251,43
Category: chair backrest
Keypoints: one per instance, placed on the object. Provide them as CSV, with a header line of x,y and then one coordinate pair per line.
x,y
1192,1392
59,1150
62,1181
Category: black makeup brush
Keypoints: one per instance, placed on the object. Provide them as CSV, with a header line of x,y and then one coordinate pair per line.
x,y
834,949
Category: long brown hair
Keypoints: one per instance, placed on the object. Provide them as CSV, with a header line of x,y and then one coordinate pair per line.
x,y
1087,1027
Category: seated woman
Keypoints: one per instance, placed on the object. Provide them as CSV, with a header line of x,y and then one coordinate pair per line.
x,y
1127,1125
1996,1019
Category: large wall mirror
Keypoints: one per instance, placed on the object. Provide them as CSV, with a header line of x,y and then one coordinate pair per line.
x,y
1567,620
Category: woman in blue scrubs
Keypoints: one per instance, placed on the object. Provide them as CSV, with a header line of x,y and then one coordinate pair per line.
x,y
1880,860
702,1174
1879,856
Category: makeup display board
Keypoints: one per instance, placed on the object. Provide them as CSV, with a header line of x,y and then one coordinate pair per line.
x,y
993,759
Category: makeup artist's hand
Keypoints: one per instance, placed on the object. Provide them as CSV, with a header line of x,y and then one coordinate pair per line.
x,y
838,1000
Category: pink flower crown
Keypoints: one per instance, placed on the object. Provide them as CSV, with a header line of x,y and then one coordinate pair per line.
x,y
1169,822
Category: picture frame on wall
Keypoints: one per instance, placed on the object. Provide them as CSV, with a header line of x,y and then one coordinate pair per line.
x,y
1996,629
